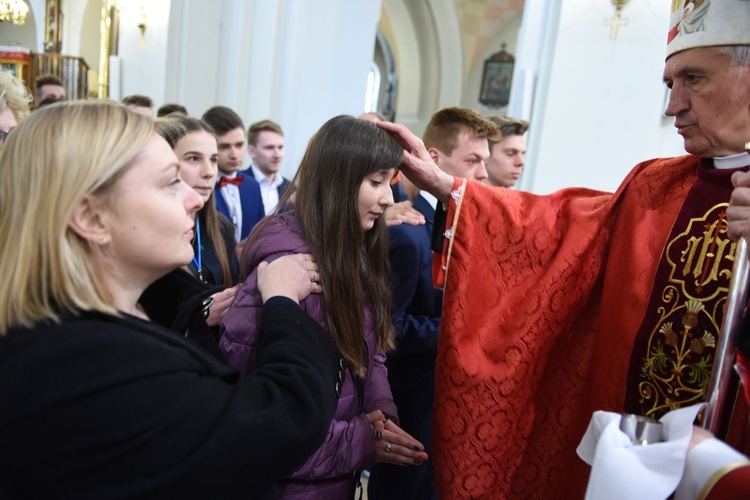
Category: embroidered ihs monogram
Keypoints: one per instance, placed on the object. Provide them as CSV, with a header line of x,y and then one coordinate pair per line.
x,y
676,366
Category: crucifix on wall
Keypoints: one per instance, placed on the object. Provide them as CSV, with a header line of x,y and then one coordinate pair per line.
x,y
617,20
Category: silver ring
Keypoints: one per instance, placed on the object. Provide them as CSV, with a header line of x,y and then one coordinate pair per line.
x,y
388,447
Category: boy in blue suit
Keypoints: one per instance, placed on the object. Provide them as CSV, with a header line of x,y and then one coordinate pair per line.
x,y
456,139
238,196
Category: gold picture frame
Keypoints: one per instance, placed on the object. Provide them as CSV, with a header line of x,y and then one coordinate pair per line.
x,y
52,26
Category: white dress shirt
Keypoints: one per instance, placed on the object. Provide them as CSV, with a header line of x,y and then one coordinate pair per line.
x,y
269,191
231,194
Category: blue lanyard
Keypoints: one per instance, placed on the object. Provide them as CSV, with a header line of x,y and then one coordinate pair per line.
x,y
197,259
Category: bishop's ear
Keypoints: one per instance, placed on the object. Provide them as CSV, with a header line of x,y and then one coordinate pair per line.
x,y
88,220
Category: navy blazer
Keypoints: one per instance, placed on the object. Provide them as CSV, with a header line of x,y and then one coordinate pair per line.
x,y
286,207
417,306
252,204
282,187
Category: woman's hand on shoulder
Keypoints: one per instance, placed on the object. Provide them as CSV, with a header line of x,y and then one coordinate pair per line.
x,y
293,276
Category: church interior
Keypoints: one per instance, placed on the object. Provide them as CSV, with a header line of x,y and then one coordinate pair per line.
x,y
585,73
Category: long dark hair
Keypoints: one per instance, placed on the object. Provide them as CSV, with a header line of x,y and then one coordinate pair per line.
x,y
173,128
353,264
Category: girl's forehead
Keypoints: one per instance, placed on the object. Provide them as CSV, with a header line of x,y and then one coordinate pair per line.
x,y
386,171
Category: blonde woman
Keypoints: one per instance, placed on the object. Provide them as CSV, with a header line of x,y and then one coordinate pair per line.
x,y
98,400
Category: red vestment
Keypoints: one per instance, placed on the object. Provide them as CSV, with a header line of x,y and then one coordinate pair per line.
x,y
734,485
544,298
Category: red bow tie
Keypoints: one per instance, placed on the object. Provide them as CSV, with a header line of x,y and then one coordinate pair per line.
x,y
231,180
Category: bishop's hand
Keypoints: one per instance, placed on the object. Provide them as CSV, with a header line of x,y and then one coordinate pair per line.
x,y
738,212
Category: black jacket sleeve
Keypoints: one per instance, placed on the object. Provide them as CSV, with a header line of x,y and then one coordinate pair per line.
x,y
104,407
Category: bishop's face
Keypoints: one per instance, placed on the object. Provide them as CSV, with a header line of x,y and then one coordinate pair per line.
x,y
710,101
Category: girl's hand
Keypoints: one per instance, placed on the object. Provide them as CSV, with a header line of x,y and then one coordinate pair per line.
x,y
377,422
398,447
220,306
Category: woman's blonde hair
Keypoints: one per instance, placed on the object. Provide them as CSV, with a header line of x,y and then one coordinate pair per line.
x,y
50,162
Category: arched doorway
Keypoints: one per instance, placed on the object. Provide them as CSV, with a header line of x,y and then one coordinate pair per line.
x,y
382,80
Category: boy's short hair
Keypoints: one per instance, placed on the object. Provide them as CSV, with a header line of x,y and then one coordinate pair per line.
x,y
262,126
447,124
138,100
222,119
508,126
46,79
168,109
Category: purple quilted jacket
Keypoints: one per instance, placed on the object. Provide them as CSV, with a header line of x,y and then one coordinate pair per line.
x,y
350,445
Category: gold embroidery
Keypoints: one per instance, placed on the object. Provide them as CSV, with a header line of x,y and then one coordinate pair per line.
x,y
680,350
706,256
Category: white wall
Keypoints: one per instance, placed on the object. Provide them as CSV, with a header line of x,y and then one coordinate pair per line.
x,y
193,54
144,57
599,102
451,52
87,40
304,61
325,57
73,28
408,64
36,7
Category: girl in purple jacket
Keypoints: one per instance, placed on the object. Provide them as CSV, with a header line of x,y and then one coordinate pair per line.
x,y
343,188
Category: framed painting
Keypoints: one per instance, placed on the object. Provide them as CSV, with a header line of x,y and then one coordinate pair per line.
x,y
497,79
52,26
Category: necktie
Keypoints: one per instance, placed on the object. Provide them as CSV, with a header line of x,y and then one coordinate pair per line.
x,y
231,180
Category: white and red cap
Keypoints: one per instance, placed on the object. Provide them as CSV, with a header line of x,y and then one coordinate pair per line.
x,y
708,23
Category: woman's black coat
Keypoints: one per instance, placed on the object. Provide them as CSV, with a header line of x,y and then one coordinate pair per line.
x,y
99,406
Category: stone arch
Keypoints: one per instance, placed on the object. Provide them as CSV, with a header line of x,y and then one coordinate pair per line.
x,y
426,41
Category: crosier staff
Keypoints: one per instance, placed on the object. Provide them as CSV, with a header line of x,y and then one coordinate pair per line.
x,y
730,328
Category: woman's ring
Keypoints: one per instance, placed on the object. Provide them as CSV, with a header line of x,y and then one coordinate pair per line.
x,y
388,447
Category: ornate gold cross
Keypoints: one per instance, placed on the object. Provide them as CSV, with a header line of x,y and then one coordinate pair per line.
x,y
617,20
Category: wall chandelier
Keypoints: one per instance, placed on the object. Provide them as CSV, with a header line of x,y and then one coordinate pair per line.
x,y
13,10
